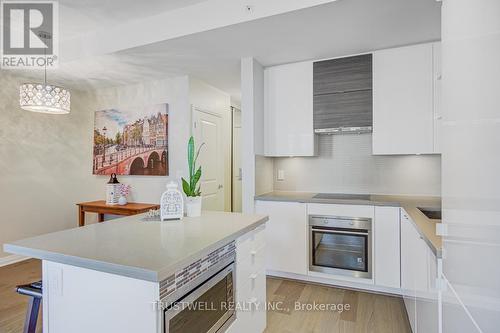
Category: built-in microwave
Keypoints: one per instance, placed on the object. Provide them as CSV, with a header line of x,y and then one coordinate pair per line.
x,y
207,308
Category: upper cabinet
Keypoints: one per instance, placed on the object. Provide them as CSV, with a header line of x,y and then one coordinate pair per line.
x,y
397,91
343,94
288,110
343,75
405,95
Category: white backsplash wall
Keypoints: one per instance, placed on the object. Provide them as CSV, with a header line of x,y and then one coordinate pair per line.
x,y
263,174
345,164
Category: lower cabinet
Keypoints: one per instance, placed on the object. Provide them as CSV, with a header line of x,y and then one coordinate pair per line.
x,y
387,272
250,291
418,276
286,236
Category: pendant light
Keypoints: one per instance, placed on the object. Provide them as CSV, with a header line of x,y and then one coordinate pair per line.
x,y
44,98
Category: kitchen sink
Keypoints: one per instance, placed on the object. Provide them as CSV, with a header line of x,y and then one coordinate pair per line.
x,y
431,213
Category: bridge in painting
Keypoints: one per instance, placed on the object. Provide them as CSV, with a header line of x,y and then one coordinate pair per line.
x,y
132,161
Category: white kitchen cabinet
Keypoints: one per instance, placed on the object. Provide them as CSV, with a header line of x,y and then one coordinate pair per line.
x,y
286,233
418,276
427,300
387,248
288,110
404,100
250,283
438,113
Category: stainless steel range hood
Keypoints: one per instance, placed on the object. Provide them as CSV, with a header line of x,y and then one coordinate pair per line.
x,y
343,95
343,130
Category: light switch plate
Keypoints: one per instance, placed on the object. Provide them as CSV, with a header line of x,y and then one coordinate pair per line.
x,y
281,175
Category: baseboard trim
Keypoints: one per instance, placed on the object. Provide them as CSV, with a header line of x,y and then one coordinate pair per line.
x,y
343,284
12,259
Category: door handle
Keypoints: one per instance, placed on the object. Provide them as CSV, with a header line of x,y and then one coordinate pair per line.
x,y
220,186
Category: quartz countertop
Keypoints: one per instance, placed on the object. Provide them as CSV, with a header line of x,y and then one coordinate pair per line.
x,y
425,226
133,247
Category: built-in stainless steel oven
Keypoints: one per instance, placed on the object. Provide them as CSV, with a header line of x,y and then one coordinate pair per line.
x,y
340,245
207,308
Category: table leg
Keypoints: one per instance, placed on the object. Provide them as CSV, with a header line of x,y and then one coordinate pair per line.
x,y
100,217
81,216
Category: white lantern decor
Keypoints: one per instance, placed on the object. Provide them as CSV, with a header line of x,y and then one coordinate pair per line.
x,y
171,203
113,190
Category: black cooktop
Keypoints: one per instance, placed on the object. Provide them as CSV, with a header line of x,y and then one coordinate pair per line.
x,y
342,196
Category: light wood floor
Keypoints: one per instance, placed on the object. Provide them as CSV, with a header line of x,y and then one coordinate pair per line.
x,y
367,312
12,305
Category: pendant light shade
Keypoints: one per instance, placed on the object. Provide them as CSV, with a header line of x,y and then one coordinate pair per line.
x,y
44,98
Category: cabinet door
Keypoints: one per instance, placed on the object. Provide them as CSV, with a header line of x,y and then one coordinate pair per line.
x,y
414,268
351,109
343,74
286,233
403,100
427,302
387,251
438,116
288,110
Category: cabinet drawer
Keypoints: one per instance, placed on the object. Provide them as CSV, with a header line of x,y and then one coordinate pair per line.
x,y
248,271
250,244
248,286
251,310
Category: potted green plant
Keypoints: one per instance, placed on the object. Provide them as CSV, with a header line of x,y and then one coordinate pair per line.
x,y
192,188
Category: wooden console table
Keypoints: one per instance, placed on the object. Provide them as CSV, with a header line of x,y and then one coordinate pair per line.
x,y
100,207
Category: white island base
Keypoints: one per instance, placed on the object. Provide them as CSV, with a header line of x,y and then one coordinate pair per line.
x,y
81,300
132,276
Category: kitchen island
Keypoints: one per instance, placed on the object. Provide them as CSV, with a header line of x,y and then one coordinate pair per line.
x,y
124,274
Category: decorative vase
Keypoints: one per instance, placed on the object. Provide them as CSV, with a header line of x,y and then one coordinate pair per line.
x,y
122,201
193,206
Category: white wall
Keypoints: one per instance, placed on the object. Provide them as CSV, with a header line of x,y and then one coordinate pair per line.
x,y
175,92
264,170
209,98
46,161
252,126
346,165
45,165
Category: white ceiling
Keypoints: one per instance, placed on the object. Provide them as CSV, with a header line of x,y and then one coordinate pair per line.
x,y
335,29
78,17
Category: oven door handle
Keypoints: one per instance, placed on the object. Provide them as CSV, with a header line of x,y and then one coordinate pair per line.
x,y
327,231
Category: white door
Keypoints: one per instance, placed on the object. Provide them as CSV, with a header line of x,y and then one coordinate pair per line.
x,y
208,130
237,175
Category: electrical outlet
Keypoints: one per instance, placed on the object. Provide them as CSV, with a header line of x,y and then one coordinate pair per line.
x,y
56,281
281,175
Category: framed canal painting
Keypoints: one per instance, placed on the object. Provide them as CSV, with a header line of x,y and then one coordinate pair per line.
x,y
131,141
